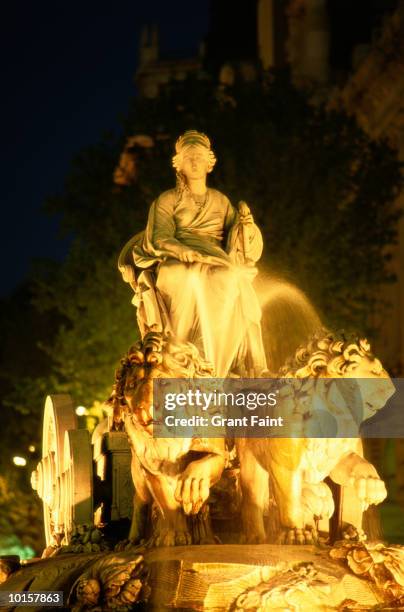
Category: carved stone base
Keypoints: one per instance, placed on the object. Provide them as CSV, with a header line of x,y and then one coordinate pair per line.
x,y
222,578
243,577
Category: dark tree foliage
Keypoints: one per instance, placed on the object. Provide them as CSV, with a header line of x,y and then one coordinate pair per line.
x,y
23,363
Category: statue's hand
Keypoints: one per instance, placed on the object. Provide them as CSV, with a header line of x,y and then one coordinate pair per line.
x,y
247,219
244,212
193,487
189,256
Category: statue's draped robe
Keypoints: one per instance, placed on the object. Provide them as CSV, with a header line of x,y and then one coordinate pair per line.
x,y
211,304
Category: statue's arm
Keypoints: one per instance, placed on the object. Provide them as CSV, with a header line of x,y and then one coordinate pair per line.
x,y
162,225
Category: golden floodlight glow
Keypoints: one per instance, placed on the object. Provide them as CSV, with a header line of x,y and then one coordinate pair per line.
x,y
31,448
81,410
20,461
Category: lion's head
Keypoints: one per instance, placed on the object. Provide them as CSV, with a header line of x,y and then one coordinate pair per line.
x,y
154,357
340,356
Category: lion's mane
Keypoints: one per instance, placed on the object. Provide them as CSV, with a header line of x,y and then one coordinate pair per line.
x,y
156,355
331,355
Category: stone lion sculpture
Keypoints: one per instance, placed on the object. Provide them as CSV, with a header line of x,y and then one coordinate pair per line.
x,y
173,475
297,466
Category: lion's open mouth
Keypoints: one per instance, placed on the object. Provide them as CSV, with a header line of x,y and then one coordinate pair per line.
x,y
143,423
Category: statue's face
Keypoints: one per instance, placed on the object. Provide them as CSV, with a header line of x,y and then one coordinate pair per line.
x,y
194,163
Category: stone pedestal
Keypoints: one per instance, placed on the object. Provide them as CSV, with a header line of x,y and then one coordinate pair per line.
x,y
221,578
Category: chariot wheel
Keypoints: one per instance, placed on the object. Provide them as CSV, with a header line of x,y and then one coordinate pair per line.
x,y
67,482
63,478
76,483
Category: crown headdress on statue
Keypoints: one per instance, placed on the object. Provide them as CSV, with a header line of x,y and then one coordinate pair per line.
x,y
193,138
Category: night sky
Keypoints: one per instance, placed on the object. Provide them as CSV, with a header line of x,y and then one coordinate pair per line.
x,y
67,77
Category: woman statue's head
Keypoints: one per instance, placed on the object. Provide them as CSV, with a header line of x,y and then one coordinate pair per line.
x,y
193,158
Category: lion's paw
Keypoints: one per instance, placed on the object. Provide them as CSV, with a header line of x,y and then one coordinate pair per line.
x,y
169,537
369,489
293,535
129,545
318,500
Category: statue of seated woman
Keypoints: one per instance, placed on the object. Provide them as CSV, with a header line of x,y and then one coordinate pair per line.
x,y
193,266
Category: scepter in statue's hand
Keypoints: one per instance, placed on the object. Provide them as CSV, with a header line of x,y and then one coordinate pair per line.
x,y
246,219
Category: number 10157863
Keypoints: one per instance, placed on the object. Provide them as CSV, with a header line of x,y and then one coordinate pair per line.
x,y
31,598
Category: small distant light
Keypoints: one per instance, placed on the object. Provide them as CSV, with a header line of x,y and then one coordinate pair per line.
x,y
20,461
31,448
81,410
